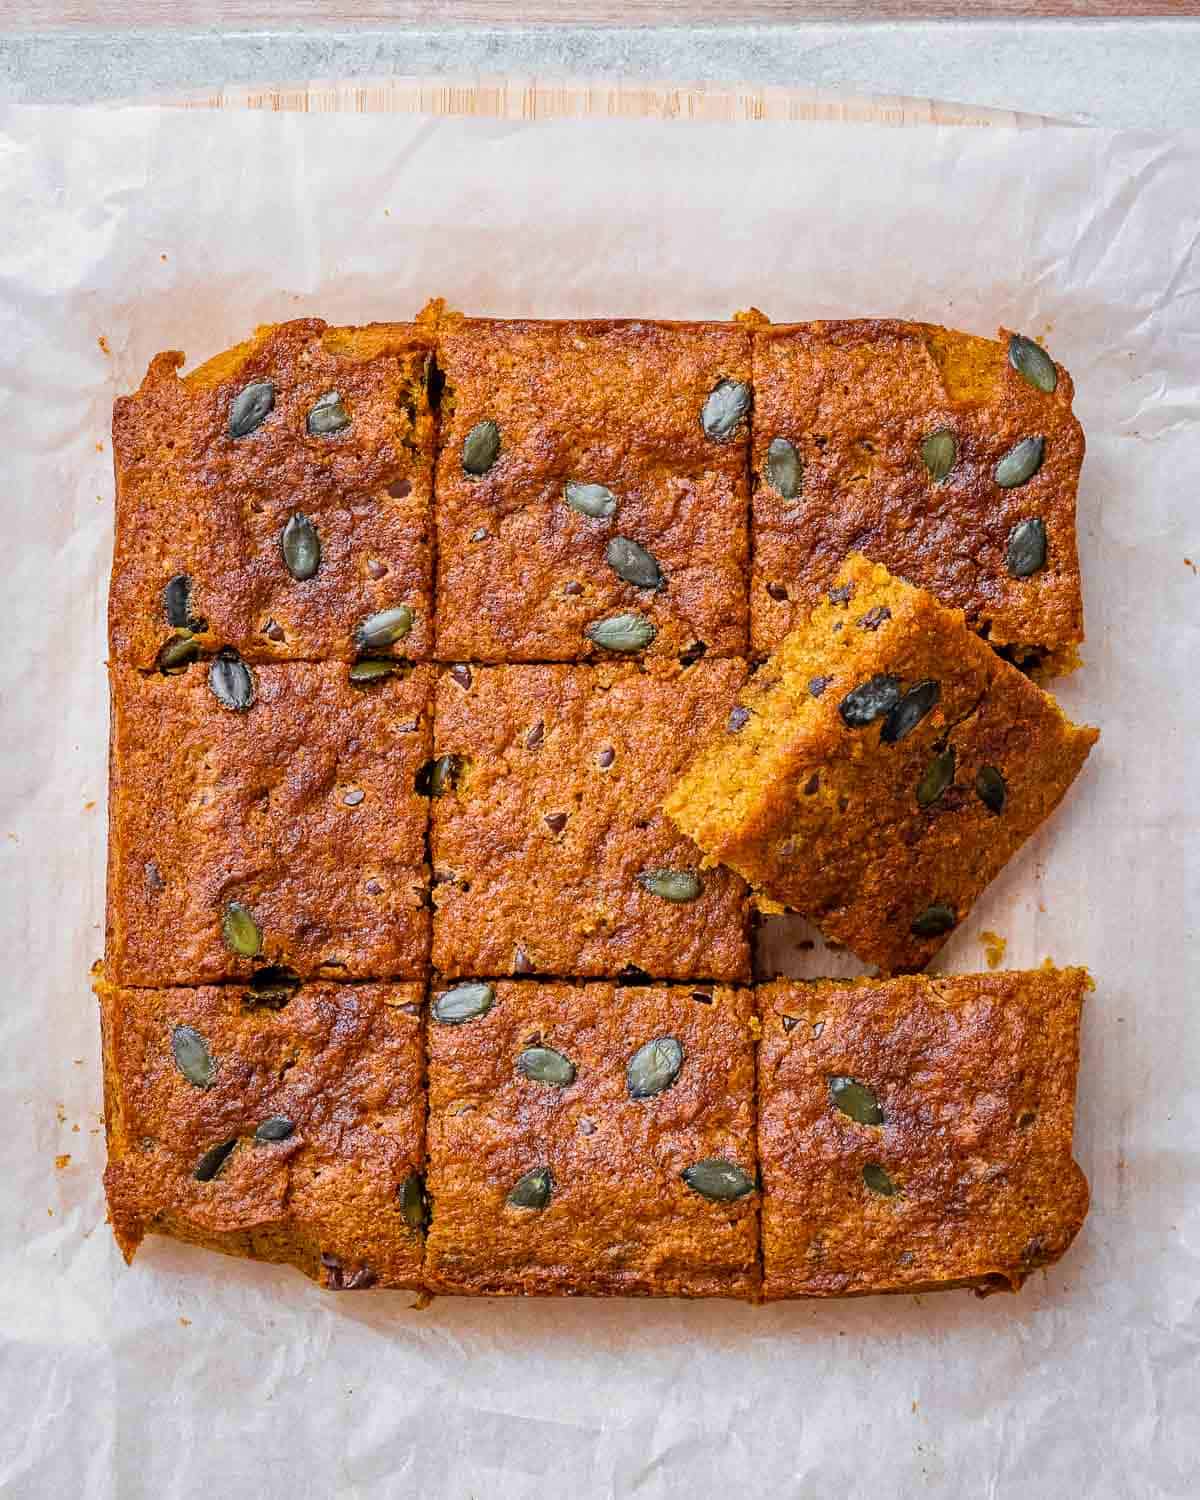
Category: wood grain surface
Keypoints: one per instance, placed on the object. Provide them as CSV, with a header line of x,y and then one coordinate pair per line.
x,y
265,15
515,98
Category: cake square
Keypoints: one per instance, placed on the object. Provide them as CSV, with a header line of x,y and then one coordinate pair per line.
x,y
592,489
888,438
287,832
879,770
551,854
287,1128
592,1139
915,1133
278,500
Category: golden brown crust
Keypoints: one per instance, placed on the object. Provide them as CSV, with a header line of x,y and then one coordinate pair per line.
x,y
192,500
620,1219
827,819
208,805
975,1077
343,1063
521,574
593,750
857,398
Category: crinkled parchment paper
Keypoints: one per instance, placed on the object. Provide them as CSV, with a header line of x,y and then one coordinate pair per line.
x,y
125,232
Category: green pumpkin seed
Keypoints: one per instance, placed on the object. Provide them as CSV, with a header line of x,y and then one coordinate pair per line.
x,y
654,1067
908,713
374,668
414,1207
328,416
633,564
1032,364
991,789
629,632
532,1190
251,407
1026,552
177,654
481,448
272,987
385,628
177,604
213,1160
934,920
878,1180
192,1057
718,1179
938,452
1020,464
855,1100
727,403
939,774
595,500
465,1002
230,680
301,547
672,885
785,468
437,777
277,1128
870,700
545,1065
240,931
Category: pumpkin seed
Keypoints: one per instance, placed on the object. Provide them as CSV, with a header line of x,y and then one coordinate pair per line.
x,y
633,564
481,448
251,407
629,632
934,920
192,1057
213,1160
855,1100
385,628
414,1207
595,500
878,1180
1020,464
532,1190
177,604
272,987
785,468
727,403
908,713
1032,364
870,700
437,777
672,885
372,668
240,931
717,1179
177,653
545,1065
938,452
655,1066
465,1002
991,789
230,680
328,416
1026,552
301,547
277,1128
939,774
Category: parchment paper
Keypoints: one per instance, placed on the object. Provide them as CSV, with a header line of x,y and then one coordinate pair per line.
x,y
191,1375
